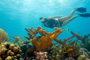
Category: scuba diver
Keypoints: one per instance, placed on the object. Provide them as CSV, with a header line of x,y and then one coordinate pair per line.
x,y
59,21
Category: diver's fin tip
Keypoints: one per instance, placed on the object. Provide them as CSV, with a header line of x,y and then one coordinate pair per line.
x,y
81,9
85,15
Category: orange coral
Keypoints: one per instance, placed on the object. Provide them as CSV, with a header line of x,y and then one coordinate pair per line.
x,y
16,39
64,41
71,51
46,40
32,32
42,32
66,48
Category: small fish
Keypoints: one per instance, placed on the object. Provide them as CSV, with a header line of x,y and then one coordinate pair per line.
x,y
67,29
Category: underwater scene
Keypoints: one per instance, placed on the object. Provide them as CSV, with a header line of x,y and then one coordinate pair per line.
x,y
44,29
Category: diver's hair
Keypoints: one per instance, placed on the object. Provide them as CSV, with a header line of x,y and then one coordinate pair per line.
x,y
41,18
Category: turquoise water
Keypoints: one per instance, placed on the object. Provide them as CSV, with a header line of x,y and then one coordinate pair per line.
x,y
15,15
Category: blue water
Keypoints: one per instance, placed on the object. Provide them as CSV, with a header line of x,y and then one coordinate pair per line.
x,y
15,15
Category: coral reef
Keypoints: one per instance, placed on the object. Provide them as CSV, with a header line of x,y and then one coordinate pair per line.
x,y
84,51
45,41
30,54
9,51
40,47
25,46
32,32
3,36
17,40
83,57
85,40
41,55
66,50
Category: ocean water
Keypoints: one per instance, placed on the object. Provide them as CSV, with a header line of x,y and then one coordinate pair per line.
x,y
15,15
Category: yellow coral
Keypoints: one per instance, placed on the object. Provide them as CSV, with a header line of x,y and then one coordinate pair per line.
x,y
9,50
3,36
45,41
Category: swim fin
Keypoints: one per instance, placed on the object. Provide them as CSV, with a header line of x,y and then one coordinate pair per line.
x,y
81,9
85,15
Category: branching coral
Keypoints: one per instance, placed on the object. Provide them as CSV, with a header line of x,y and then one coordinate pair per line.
x,y
17,40
32,32
3,36
66,49
65,40
85,40
46,39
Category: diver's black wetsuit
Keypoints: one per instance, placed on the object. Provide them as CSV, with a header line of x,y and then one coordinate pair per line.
x,y
51,22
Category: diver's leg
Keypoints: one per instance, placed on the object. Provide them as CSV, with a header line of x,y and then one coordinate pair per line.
x,y
67,21
57,16
67,17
